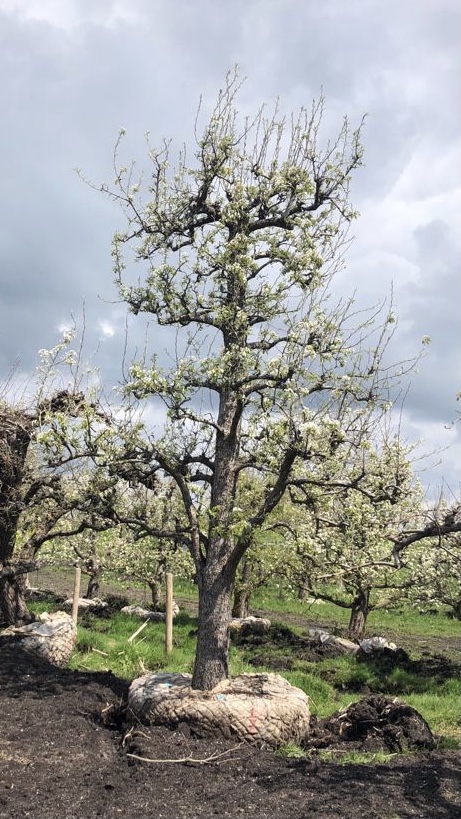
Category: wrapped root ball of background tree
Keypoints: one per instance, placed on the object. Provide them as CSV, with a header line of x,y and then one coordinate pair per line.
x,y
257,708
50,639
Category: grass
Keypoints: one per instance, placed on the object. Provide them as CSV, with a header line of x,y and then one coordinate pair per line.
x,y
380,621
104,644
355,757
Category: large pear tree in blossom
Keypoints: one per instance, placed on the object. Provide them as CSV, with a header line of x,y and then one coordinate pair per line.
x,y
238,249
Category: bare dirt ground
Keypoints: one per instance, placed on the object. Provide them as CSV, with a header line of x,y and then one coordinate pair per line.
x,y
65,751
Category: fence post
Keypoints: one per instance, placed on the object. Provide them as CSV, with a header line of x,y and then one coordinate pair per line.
x,y
78,575
169,613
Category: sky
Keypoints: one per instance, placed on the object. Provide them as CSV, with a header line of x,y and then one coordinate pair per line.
x,y
74,72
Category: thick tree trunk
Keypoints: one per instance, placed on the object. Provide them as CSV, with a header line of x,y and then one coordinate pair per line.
x,y
14,443
359,613
13,607
214,615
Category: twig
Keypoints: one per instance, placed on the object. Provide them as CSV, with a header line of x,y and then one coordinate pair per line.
x,y
206,760
138,631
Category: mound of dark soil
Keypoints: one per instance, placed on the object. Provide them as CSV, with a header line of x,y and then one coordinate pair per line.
x,y
273,643
374,723
65,751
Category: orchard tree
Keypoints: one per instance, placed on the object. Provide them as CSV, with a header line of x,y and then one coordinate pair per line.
x,y
367,540
344,540
143,555
434,540
41,445
272,556
436,582
239,248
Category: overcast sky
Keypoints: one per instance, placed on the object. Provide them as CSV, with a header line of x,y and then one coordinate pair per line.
x,y
73,72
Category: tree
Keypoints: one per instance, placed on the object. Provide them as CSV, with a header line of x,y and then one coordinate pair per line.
x,y
344,533
41,443
240,249
140,554
435,575
435,544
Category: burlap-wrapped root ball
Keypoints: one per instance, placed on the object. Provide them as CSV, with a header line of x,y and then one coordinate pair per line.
x,y
257,708
52,638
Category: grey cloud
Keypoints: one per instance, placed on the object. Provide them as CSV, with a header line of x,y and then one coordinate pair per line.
x,y
67,90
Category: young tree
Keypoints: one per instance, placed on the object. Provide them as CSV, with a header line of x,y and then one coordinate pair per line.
x,y
141,554
240,249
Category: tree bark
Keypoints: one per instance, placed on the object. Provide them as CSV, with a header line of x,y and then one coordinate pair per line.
x,y
359,613
214,615
15,436
94,585
215,574
242,593
154,586
241,605
14,611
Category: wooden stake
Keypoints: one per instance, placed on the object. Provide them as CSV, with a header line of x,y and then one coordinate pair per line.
x,y
169,613
78,576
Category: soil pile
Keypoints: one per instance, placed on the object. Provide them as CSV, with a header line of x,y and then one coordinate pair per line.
x,y
374,724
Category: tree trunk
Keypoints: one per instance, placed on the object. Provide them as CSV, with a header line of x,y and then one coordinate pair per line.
x,y
13,606
14,611
241,604
214,615
94,585
15,435
94,569
303,593
215,575
359,613
154,586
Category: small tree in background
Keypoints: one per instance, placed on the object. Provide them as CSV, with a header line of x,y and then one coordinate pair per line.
x,y
434,542
344,532
435,574
143,555
240,248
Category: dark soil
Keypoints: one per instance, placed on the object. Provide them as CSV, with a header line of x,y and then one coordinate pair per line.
x,y
66,751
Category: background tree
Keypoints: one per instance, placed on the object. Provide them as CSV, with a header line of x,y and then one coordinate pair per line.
x,y
143,555
435,543
41,443
435,574
344,539
240,248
